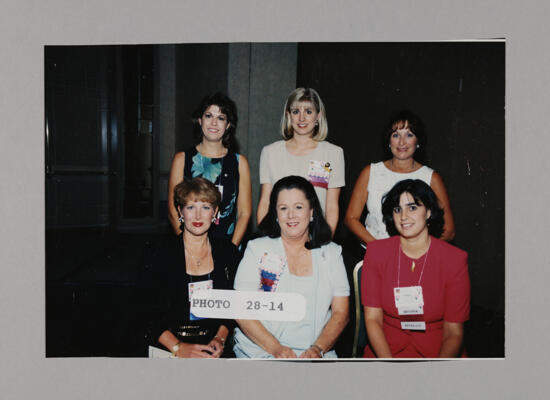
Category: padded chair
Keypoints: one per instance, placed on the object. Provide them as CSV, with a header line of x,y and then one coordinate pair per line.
x,y
360,332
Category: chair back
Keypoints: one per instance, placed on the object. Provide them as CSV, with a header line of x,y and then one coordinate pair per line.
x,y
359,333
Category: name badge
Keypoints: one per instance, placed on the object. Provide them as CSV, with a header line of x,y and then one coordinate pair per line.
x,y
272,262
319,173
409,300
194,287
270,268
413,325
411,310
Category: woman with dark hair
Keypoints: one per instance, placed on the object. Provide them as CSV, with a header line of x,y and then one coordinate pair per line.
x,y
295,255
304,152
405,141
215,121
415,288
193,261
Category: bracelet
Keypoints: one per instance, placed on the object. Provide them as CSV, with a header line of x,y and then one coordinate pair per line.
x,y
175,348
220,339
318,348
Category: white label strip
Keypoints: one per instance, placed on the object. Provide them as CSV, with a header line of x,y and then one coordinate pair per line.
x,y
234,304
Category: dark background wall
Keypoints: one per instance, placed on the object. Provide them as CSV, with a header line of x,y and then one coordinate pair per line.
x,y
195,79
78,88
458,91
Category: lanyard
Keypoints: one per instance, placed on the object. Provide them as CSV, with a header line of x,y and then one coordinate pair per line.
x,y
423,265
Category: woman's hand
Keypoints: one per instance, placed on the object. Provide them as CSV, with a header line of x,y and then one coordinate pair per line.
x,y
332,330
284,352
188,350
217,346
312,352
185,350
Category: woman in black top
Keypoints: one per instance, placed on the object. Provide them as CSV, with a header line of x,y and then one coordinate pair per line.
x,y
213,158
191,262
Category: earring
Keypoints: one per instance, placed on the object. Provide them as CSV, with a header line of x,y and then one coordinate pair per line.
x,y
180,220
389,146
316,123
417,146
311,219
216,219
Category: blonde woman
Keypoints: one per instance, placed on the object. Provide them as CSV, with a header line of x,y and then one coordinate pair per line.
x,y
304,152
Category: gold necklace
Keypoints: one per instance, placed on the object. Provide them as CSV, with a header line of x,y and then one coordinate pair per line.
x,y
195,258
413,265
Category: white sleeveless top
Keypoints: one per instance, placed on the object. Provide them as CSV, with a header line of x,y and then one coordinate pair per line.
x,y
381,180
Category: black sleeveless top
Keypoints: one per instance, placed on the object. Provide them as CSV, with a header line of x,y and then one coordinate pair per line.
x,y
224,173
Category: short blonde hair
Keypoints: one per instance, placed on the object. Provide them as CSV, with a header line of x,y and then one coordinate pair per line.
x,y
305,94
196,189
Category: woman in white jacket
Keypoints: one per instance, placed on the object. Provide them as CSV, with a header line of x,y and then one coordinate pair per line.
x,y
294,255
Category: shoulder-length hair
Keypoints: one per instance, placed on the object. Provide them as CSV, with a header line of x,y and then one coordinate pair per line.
x,y
406,119
422,194
227,107
319,230
305,94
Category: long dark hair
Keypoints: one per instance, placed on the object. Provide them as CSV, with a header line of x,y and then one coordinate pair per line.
x,y
423,194
319,230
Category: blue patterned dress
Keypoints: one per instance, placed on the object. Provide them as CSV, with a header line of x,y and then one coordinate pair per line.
x,y
222,172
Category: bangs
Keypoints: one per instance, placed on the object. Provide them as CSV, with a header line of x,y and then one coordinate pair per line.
x,y
416,198
222,107
203,197
304,95
401,124
304,99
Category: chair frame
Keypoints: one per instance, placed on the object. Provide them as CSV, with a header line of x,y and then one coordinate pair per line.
x,y
358,307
